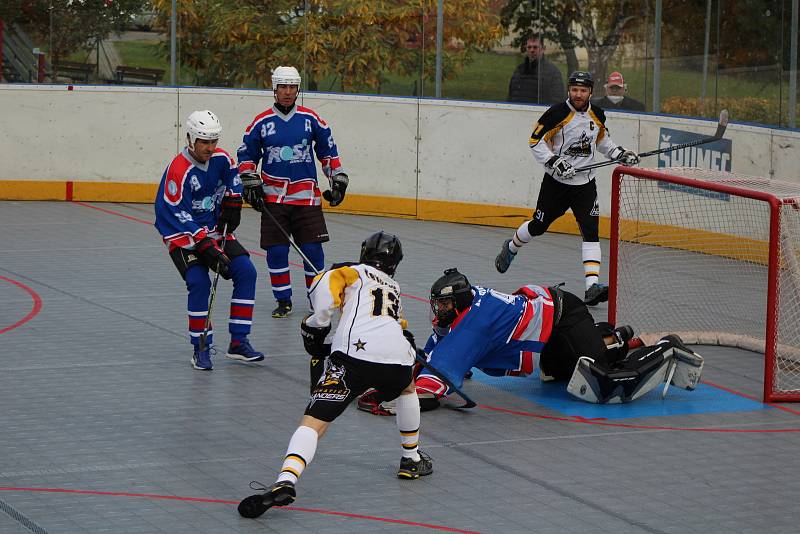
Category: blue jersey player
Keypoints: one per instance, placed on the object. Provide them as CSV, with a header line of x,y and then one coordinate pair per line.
x,y
198,206
281,139
506,334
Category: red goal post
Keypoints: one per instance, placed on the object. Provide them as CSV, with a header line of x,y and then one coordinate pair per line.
x,y
713,257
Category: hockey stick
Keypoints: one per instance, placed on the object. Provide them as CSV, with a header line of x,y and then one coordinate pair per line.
x,y
213,294
468,402
723,123
287,236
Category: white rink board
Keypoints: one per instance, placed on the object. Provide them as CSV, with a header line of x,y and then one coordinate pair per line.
x,y
468,151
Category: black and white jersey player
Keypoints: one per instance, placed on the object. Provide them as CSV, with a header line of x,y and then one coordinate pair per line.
x,y
567,137
370,350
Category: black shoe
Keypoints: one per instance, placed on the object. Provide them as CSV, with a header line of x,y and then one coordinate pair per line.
x,y
279,494
283,310
410,469
504,259
596,294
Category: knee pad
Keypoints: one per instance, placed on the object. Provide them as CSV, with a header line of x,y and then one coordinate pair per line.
x,y
315,254
278,256
536,227
197,280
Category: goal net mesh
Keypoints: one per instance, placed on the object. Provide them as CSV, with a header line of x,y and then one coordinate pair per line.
x,y
694,260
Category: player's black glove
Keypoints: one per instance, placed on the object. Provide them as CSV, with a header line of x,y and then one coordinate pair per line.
x,y
335,195
410,337
626,157
230,214
561,167
213,257
314,339
253,193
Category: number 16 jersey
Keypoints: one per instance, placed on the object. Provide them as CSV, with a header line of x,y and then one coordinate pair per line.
x,y
371,325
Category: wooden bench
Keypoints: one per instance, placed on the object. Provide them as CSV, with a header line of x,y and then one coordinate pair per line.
x,y
138,75
77,72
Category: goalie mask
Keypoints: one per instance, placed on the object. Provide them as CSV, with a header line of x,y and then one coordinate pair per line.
x,y
383,251
451,294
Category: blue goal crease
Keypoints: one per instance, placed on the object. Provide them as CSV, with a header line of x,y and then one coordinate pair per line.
x,y
704,399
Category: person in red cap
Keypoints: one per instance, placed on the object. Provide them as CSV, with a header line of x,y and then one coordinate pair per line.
x,y
616,97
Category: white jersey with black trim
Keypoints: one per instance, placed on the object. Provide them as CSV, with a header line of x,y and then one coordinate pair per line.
x,y
371,324
566,132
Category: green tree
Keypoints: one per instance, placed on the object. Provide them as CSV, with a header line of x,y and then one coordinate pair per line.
x,y
597,25
360,41
70,26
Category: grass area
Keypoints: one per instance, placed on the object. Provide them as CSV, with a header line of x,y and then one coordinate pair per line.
x,y
486,79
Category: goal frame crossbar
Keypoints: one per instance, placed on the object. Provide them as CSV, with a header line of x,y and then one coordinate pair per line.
x,y
773,266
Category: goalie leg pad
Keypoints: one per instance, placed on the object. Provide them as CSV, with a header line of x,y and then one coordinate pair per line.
x,y
688,364
593,383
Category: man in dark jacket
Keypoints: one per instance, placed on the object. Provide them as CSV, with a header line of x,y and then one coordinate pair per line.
x,y
536,80
616,96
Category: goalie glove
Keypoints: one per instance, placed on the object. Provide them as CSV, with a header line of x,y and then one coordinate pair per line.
x,y
561,167
314,339
253,192
335,195
626,157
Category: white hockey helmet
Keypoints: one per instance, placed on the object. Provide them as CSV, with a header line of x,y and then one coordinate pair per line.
x,y
202,125
285,76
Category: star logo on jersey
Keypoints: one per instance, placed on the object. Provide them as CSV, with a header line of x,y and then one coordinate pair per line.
x,y
359,345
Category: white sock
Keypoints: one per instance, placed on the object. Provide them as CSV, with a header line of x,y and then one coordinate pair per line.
x,y
521,236
408,419
299,454
591,262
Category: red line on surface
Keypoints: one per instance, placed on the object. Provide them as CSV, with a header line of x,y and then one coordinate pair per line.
x,y
112,212
751,397
574,419
37,305
223,501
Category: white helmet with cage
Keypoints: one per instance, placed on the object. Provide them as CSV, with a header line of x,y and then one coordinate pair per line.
x,y
202,125
285,76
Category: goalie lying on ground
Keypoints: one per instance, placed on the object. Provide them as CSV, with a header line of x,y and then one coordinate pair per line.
x,y
501,334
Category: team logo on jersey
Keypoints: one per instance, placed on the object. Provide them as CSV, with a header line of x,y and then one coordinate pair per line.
x,y
299,153
332,386
580,148
172,188
359,345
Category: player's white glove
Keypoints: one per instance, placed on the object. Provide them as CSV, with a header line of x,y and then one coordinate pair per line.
x,y
561,167
626,157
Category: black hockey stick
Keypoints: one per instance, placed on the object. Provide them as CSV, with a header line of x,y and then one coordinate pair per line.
x,y
264,209
213,294
723,123
468,402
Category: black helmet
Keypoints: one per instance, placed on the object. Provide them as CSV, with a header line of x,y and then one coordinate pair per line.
x,y
581,77
453,288
383,251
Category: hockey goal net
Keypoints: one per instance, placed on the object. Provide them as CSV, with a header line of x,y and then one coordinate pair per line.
x,y
713,257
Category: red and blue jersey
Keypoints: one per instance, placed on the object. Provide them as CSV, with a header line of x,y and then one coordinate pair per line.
x,y
499,333
189,196
283,144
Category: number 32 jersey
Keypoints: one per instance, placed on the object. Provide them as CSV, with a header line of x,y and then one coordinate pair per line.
x,y
371,325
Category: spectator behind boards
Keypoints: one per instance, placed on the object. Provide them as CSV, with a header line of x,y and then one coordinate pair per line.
x,y
536,80
616,97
